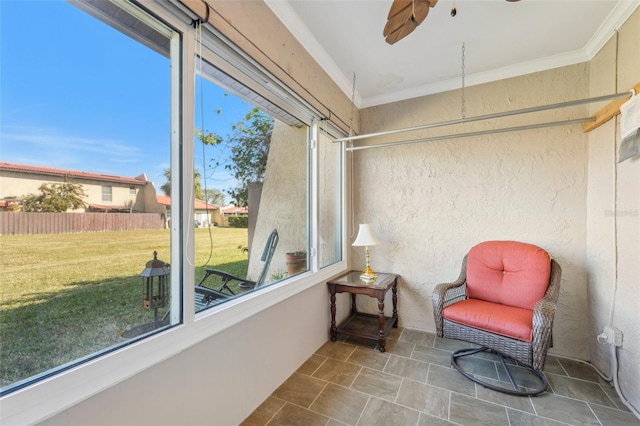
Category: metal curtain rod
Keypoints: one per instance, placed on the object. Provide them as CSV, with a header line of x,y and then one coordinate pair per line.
x,y
488,116
478,133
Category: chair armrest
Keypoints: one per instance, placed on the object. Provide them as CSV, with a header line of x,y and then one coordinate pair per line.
x,y
222,280
446,294
543,314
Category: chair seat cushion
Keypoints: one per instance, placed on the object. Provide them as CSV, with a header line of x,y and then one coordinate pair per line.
x,y
509,321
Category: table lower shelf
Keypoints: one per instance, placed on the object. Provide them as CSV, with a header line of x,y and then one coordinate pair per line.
x,y
365,326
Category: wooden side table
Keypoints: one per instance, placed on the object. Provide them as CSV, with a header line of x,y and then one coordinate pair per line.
x,y
368,326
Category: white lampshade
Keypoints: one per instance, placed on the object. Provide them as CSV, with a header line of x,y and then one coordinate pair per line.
x,y
366,237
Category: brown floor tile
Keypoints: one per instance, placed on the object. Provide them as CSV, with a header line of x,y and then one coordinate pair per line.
x,y
399,347
428,399
379,389
340,403
552,365
417,337
564,409
580,370
264,412
432,355
362,343
311,364
519,418
369,358
300,389
407,367
522,403
448,378
378,384
579,389
293,415
470,411
338,372
385,413
336,350
612,417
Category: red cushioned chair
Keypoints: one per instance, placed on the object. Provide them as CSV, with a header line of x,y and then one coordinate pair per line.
x,y
504,301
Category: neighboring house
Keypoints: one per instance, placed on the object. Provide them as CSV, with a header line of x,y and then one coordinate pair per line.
x,y
107,193
232,210
203,212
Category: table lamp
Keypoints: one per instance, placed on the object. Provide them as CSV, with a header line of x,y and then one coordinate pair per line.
x,y
366,238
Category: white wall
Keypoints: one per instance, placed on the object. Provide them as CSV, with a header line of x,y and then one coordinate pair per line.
x,y
613,213
431,202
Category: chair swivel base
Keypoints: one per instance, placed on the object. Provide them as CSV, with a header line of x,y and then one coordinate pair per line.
x,y
514,389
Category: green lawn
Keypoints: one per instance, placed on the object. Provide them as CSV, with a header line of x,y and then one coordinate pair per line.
x,y
66,296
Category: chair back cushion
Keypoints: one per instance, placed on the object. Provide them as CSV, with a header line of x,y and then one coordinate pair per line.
x,y
508,272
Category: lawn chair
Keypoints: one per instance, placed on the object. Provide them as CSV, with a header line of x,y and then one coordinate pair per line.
x,y
214,287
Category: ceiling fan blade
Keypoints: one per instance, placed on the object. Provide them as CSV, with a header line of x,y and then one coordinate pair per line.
x,y
404,17
397,21
398,6
401,32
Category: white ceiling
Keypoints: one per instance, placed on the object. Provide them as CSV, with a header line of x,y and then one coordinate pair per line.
x,y
501,40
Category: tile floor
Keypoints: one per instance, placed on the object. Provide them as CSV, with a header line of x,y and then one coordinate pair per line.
x,y
351,383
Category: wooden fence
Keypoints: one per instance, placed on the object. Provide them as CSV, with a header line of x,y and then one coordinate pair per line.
x,y
63,223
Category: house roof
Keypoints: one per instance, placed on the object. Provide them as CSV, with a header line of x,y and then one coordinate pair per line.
x,y
231,209
165,200
49,171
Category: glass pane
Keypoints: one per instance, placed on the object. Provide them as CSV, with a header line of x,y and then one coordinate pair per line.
x,y
252,171
329,200
85,138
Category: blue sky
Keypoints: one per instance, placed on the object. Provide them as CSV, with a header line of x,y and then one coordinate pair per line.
x,y
77,94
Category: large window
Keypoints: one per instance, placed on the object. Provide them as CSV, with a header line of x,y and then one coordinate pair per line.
x,y
231,172
251,162
88,105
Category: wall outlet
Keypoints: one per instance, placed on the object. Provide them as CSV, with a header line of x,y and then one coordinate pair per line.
x,y
613,335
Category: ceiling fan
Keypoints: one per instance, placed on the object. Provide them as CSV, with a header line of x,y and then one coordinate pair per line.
x,y
405,15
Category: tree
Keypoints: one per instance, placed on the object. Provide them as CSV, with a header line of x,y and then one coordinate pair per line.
x,y
197,187
250,144
55,197
249,148
214,196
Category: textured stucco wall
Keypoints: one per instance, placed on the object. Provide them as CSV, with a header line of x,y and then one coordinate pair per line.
x,y
431,202
613,231
283,204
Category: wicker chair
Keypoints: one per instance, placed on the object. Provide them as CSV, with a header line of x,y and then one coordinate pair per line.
x,y
504,301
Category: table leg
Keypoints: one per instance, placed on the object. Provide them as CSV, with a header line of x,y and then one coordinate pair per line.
x,y
333,329
381,339
354,309
394,290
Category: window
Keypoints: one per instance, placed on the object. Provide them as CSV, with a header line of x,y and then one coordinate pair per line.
x,y
155,119
106,193
98,104
329,199
256,163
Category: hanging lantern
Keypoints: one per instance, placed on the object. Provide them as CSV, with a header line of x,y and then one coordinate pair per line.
x,y
154,285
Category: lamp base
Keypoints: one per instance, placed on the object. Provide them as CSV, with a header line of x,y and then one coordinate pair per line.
x,y
368,275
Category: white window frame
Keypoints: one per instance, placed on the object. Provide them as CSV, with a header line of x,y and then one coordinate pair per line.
x,y
46,398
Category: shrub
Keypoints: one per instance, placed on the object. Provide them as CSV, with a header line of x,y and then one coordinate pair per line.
x,y
239,221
